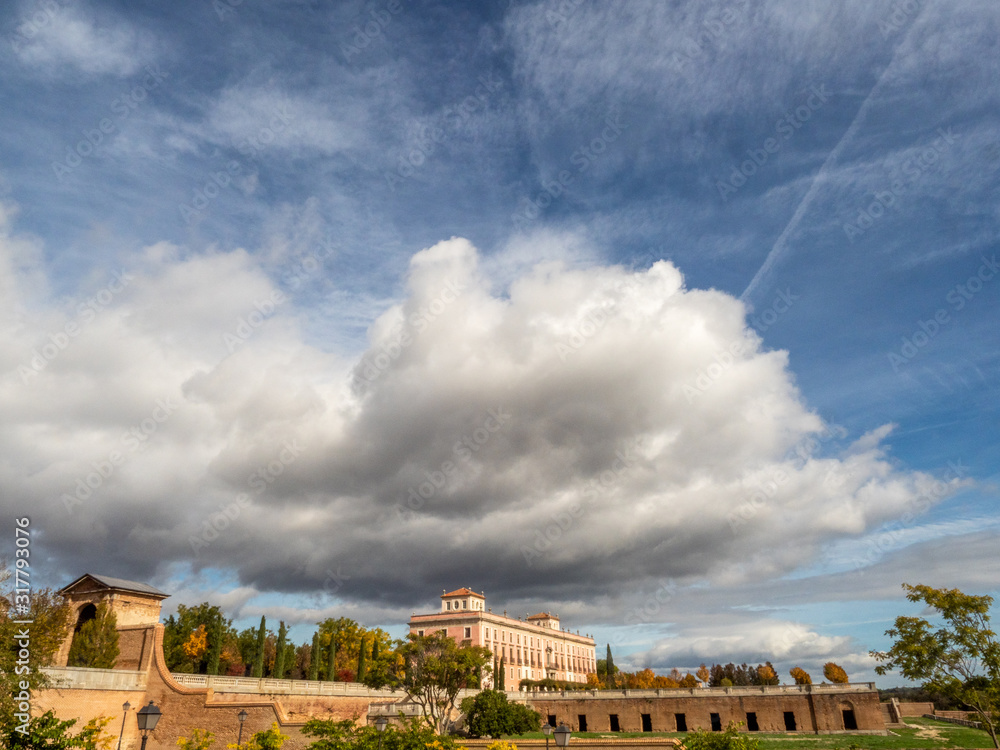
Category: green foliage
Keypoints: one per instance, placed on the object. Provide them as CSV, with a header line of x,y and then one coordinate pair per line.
x,y
331,660
178,628
731,739
726,682
258,658
280,652
490,714
271,739
431,669
50,618
199,740
50,732
960,659
314,658
501,681
609,667
95,644
412,734
360,676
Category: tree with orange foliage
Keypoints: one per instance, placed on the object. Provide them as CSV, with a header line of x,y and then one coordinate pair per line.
x,y
703,674
197,643
834,673
689,681
665,683
767,674
801,676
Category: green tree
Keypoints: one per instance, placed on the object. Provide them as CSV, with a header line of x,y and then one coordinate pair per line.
x,y
280,652
609,667
361,662
177,631
95,644
731,739
331,660
490,714
258,659
270,739
216,635
502,675
960,659
48,731
200,739
435,669
834,673
314,658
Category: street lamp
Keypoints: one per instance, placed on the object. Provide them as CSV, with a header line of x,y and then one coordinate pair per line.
x,y
125,707
380,725
547,730
148,717
242,716
563,734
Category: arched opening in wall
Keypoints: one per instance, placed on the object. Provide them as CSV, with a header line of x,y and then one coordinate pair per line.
x,y
87,613
847,712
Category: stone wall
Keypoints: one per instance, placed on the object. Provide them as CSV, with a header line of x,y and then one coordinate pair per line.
x,y
816,709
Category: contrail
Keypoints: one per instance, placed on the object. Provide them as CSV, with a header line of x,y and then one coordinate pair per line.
x,y
780,246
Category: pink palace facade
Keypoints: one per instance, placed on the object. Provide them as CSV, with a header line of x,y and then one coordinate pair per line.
x,y
534,648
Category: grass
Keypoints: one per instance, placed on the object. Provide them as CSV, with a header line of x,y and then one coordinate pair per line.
x,y
919,733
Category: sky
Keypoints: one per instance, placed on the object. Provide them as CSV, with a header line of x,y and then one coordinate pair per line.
x,y
676,319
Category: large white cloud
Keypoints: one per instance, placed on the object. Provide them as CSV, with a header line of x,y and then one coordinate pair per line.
x,y
576,432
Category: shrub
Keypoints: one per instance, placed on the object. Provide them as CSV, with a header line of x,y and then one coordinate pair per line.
x,y
731,739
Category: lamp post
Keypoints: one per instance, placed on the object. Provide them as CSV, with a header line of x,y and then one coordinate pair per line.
x,y
380,724
125,707
148,718
547,731
242,716
563,734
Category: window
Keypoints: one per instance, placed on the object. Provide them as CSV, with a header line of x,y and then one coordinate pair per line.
x,y
468,632
553,722
789,721
448,605
716,722
681,721
850,722
582,721
647,723
752,722
465,604
420,633
613,723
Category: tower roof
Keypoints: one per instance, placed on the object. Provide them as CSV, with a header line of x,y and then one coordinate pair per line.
x,y
107,582
462,592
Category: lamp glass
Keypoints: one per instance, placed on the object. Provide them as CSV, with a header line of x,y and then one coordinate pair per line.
x,y
563,733
242,716
126,706
148,717
380,723
547,729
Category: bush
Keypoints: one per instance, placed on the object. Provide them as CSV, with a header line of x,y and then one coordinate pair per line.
x,y
490,714
731,739
199,740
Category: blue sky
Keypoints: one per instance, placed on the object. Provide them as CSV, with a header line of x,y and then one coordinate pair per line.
x,y
708,291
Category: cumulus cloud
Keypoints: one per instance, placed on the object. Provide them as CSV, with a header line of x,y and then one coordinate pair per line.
x,y
580,431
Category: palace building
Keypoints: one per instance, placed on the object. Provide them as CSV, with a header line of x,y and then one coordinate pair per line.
x,y
534,648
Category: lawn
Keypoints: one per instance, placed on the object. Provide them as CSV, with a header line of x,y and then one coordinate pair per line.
x,y
919,733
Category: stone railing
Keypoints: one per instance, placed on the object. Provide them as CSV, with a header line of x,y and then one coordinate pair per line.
x,y
953,720
856,687
222,684
80,678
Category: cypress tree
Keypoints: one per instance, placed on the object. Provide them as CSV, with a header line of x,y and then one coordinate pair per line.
x,y
279,653
361,661
502,681
374,647
331,664
215,653
314,658
610,667
258,658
